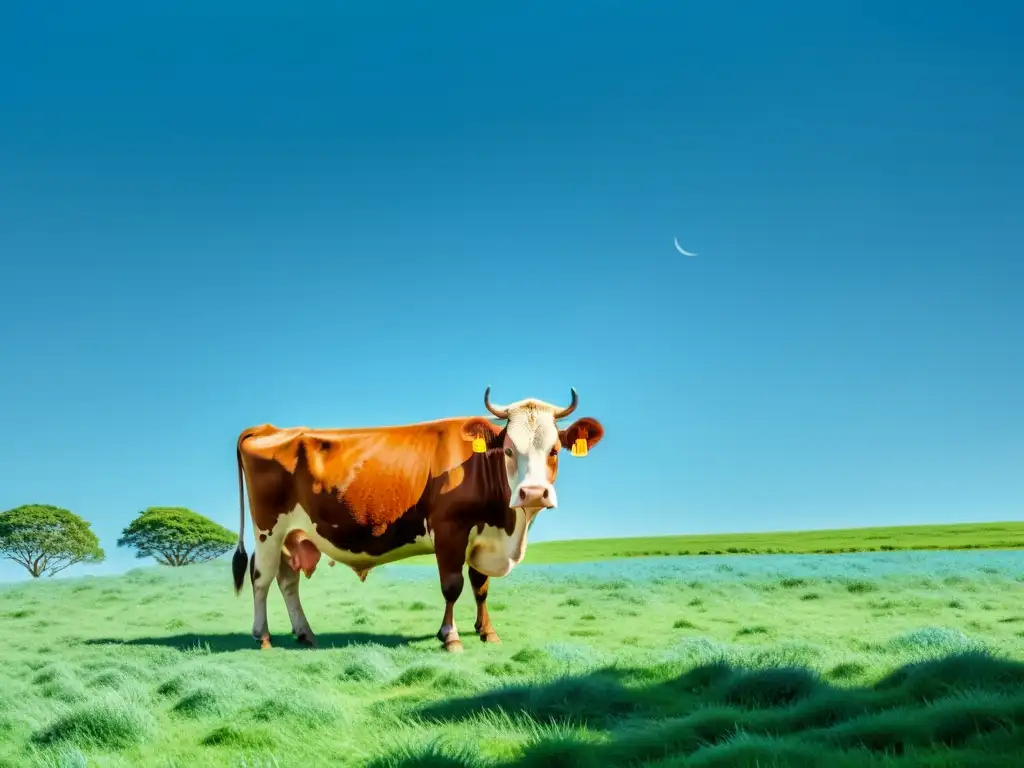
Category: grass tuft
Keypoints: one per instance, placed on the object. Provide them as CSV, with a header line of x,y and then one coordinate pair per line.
x,y
104,722
239,736
773,687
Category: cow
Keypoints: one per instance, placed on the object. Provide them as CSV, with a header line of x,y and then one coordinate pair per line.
x,y
466,490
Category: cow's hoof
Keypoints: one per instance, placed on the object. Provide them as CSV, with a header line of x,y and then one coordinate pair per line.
x,y
306,639
265,643
453,646
490,637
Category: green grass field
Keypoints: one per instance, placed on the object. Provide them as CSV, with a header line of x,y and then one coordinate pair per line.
x,y
902,658
1004,535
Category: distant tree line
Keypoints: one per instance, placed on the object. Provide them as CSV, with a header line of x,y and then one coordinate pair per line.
x,y
45,539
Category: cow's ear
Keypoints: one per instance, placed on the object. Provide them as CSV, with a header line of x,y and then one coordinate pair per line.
x,y
479,427
585,428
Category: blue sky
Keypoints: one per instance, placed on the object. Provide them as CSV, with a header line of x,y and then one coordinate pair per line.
x,y
211,219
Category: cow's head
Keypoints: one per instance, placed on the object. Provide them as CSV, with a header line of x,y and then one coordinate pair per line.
x,y
530,444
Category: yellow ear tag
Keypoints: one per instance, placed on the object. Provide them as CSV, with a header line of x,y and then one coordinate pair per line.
x,y
479,446
579,448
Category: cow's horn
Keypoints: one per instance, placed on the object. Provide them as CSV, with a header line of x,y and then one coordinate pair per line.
x,y
501,413
571,407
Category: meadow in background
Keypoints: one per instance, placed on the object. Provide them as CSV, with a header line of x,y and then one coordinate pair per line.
x,y
896,658
955,536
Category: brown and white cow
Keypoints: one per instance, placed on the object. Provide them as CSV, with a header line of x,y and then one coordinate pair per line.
x,y
465,489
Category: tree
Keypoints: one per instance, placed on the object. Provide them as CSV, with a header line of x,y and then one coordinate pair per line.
x,y
176,536
47,539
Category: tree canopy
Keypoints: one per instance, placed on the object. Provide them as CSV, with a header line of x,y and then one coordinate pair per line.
x,y
176,536
47,539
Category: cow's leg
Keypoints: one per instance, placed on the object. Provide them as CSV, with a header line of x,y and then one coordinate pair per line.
x,y
483,626
263,568
451,587
450,560
288,582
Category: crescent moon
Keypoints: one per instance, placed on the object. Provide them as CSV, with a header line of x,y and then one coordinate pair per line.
x,y
680,248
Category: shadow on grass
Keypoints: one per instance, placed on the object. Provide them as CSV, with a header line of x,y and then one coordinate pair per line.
x,y
243,642
965,709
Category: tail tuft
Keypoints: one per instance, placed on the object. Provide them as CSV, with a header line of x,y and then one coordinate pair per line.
x,y
239,563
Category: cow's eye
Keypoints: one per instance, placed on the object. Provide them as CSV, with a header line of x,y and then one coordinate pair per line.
x,y
554,452
508,452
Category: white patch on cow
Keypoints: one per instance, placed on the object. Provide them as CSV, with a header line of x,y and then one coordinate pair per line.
x,y
533,434
494,552
267,560
298,520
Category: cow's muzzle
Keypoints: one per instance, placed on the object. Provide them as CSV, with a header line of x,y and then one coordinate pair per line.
x,y
535,496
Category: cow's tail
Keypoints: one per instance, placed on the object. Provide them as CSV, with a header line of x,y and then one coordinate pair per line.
x,y
240,559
